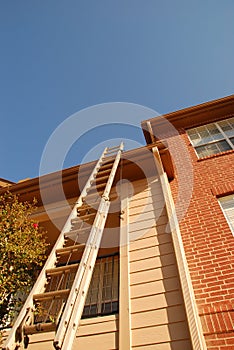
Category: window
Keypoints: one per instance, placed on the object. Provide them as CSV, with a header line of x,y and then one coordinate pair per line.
x,y
103,294
213,138
227,205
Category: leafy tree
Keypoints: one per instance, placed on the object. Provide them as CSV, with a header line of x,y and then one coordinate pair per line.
x,y
22,252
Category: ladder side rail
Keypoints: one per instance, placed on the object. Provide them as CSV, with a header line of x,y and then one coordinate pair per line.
x,y
64,321
113,172
50,262
90,179
84,287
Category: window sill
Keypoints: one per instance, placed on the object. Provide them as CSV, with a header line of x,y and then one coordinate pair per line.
x,y
215,155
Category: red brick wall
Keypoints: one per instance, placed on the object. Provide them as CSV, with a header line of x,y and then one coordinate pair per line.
x,y
208,241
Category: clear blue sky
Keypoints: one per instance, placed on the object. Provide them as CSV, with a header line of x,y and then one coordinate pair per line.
x,y
60,56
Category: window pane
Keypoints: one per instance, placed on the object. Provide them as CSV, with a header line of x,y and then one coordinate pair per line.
x,y
227,205
107,283
223,146
103,293
212,148
209,139
227,126
94,286
232,140
210,133
204,151
194,137
214,133
204,134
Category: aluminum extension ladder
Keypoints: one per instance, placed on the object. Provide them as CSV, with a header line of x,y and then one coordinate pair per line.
x,y
57,299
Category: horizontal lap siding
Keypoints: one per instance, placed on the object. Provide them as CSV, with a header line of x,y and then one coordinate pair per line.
x,y
161,286
153,274
155,301
158,319
175,345
151,262
159,334
41,341
95,333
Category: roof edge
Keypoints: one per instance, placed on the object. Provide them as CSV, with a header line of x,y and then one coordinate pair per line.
x,y
184,112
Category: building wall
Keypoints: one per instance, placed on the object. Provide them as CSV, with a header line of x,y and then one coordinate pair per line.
x,y
207,239
94,333
158,319
157,314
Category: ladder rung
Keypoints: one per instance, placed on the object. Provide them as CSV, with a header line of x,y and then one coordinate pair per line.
x,y
101,178
92,195
86,206
83,217
111,151
70,249
106,166
40,327
108,159
80,231
110,154
83,212
114,147
97,195
96,187
61,269
56,294
103,172
76,237
93,187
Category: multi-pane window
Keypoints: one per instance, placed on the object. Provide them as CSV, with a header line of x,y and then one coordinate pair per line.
x,y
227,205
102,297
103,294
213,138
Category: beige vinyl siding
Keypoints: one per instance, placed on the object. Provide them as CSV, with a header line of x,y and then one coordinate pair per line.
x,y
158,319
97,333
41,341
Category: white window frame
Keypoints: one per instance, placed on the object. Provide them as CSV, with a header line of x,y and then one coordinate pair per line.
x,y
228,212
222,133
